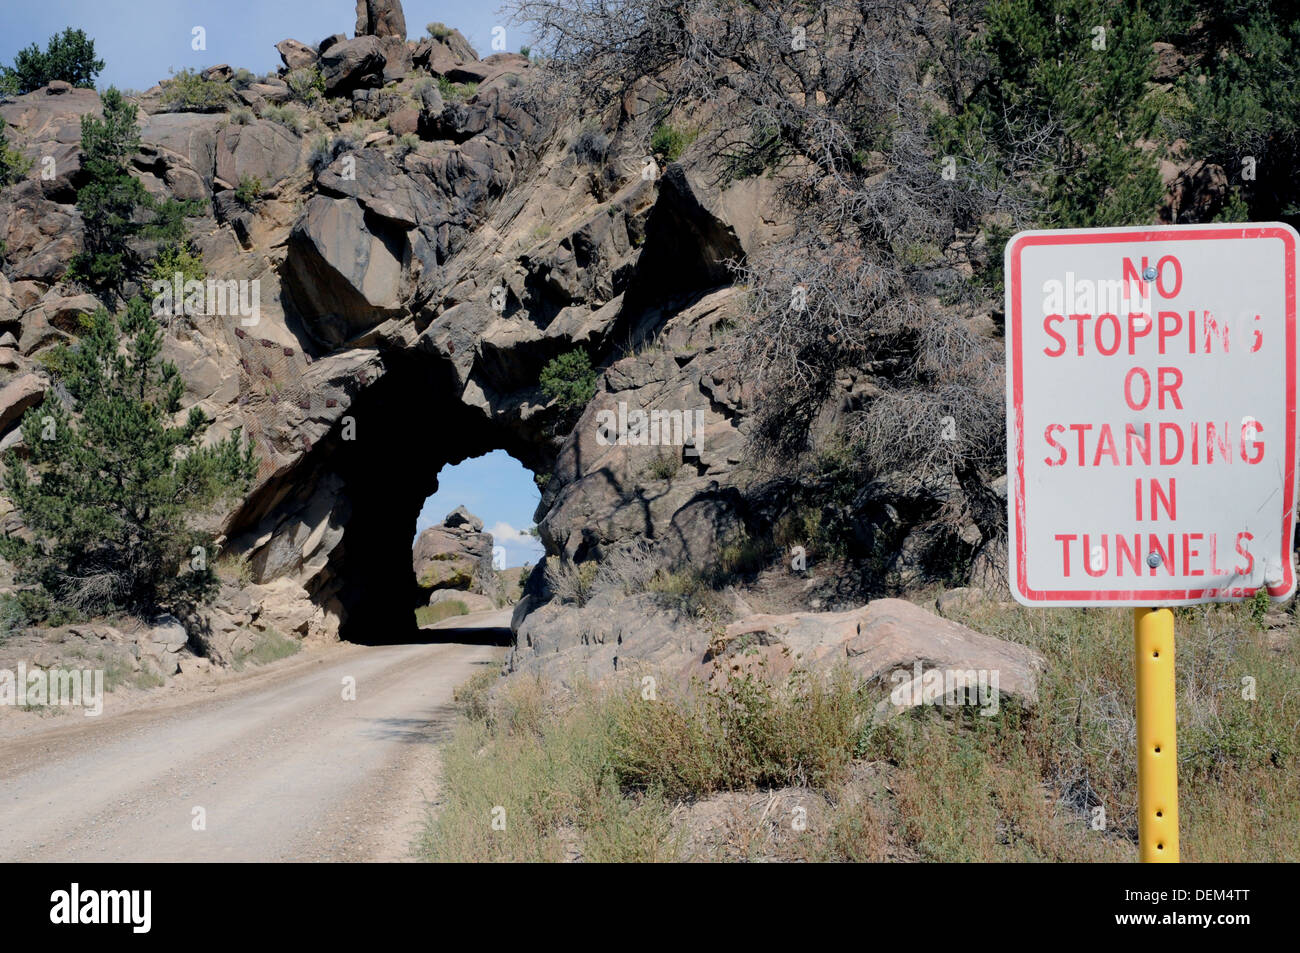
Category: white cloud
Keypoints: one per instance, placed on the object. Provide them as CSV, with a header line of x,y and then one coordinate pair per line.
x,y
519,546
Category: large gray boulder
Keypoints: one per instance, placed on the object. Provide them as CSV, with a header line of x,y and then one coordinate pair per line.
x,y
343,272
296,55
264,150
191,136
353,64
381,18
17,396
455,555
888,640
890,645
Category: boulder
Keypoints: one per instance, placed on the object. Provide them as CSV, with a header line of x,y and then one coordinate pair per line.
x,y
473,601
342,270
957,600
66,313
17,396
296,55
270,92
397,58
566,644
352,64
463,518
456,555
190,136
888,639
404,122
168,634
262,149
381,18
221,73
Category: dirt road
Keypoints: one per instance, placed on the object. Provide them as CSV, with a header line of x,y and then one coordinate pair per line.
x,y
280,764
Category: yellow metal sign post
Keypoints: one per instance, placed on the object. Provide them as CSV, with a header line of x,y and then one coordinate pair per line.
x,y
1157,736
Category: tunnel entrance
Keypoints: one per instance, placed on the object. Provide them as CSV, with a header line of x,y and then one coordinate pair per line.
x,y
409,428
341,518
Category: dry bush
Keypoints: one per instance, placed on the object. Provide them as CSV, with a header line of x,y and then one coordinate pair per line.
x,y
628,570
855,123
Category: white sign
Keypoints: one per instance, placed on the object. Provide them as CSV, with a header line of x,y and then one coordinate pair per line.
x,y
1151,402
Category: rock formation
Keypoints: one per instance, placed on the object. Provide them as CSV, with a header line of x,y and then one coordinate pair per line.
x,y
381,18
453,560
408,297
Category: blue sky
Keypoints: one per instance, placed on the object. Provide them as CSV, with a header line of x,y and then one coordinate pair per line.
x,y
498,490
141,40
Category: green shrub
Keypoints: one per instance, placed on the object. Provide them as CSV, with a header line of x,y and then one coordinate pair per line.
x,y
242,116
439,31
269,646
13,164
456,92
188,91
663,466
115,207
569,380
69,56
472,696
671,141
306,84
287,116
178,257
249,192
427,615
127,543
406,144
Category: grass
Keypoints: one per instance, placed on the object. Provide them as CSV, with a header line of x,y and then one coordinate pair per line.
x,y
663,466
456,92
188,91
268,646
118,673
234,569
608,774
427,615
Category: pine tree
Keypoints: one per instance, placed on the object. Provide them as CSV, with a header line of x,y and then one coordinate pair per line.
x,y
69,56
112,484
1076,72
115,207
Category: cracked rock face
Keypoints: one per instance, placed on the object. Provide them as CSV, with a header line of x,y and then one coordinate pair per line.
x,y
406,305
406,309
381,18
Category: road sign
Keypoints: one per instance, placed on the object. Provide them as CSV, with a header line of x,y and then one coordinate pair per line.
x,y
1151,414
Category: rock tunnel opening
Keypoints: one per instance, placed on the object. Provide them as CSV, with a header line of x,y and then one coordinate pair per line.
x,y
409,429
361,490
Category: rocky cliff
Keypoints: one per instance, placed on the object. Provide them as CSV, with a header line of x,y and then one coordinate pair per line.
x,y
428,234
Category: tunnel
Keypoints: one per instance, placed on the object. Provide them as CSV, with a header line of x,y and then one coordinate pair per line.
x,y
369,478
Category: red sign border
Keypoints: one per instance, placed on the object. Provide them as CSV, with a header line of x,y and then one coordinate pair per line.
x,y
1101,236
